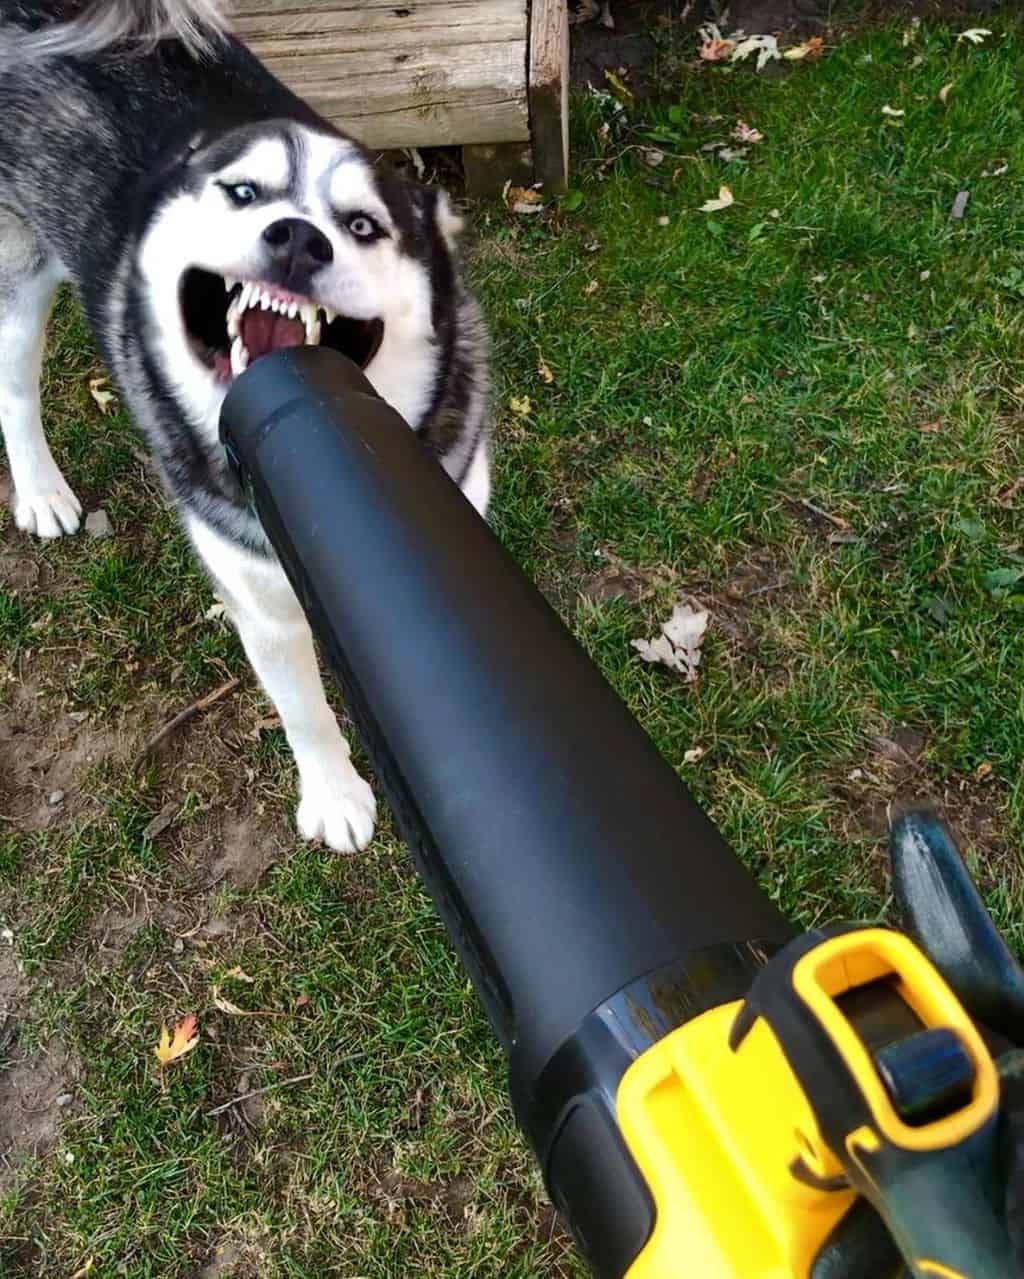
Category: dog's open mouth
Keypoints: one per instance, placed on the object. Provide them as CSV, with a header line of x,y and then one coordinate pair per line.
x,y
233,322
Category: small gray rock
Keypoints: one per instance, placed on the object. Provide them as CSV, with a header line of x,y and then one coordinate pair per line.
x,y
97,524
55,797
65,1099
161,821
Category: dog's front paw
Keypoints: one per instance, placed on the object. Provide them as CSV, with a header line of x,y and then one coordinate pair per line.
x,y
337,806
51,510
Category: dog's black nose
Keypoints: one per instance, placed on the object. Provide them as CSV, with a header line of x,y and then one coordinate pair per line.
x,y
297,246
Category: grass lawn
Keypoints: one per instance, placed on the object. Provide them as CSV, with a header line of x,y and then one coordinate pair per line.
x,y
803,410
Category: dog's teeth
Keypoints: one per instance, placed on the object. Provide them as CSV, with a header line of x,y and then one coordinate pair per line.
x,y
311,322
239,357
243,300
233,324
266,302
293,310
275,305
229,283
329,315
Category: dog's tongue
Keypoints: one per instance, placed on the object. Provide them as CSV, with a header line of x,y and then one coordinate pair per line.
x,y
264,331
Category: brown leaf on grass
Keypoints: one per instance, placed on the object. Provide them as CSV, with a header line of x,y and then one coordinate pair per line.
x,y
184,1039
82,1271
104,399
944,92
809,51
303,1001
544,372
591,288
679,645
265,725
744,132
714,47
233,1010
236,974
523,200
725,199
520,405
930,428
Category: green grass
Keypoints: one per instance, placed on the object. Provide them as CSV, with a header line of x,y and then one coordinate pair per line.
x,y
726,370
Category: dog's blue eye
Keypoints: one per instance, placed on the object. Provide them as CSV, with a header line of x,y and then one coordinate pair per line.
x,y
363,227
242,193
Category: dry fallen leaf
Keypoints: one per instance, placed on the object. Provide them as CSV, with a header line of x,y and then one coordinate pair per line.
x,y
618,87
714,47
523,200
520,405
930,428
236,974
303,1000
104,399
725,199
976,35
591,288
664,220
264,725
894,112
185,1038
226,1006
233,1010
944,92
998,170
809,51
679,644
983,771
215,612
692,756
743,132
82,1271
544,372
766,48
652,156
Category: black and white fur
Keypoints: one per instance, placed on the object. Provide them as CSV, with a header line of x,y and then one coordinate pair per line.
x,y
150,160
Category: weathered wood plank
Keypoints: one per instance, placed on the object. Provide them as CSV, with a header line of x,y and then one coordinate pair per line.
x,y
427,100
549,92
246,8
457,21
422,73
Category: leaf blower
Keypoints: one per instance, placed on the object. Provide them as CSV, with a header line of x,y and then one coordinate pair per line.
x,y
708,1094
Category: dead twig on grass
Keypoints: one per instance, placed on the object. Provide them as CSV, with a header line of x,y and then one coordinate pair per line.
x,y
189,713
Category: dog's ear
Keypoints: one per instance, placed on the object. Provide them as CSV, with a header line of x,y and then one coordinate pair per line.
x,y
450,223
434,205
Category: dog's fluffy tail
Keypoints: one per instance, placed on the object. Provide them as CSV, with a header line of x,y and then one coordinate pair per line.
x,y
198,24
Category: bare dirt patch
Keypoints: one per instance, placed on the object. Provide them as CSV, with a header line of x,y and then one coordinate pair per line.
x,y
618,579
45,757
247,850
35,1092
451,1199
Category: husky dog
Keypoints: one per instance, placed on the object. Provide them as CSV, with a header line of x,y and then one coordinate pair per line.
x,y
205,216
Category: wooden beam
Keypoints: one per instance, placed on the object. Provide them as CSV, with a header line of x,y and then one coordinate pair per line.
x,y
549,92
394,74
